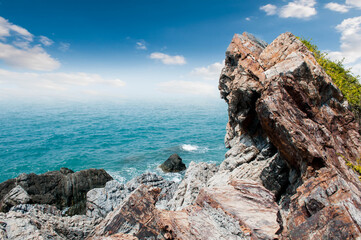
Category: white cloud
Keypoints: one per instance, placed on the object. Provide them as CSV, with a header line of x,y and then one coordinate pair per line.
x,y
167,59
46,41
248,19
270,9
298,9
210,72
354,3
34,58
32,84
8,29
295,9
188,87
21,53
64,47
350,30
350,48
141,45
337,7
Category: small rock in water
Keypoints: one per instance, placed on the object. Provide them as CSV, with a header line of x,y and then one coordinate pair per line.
x,y
173,164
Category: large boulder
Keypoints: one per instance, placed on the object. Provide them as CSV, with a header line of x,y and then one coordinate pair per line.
x,y
64,189
173,164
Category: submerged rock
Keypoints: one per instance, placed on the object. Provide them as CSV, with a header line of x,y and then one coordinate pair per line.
x,y
64,189
173,164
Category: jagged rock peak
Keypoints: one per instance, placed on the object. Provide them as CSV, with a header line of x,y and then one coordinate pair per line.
x,y
278,95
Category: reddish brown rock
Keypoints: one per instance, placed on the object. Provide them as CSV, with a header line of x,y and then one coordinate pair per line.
x,y
242,210
135,216
278,95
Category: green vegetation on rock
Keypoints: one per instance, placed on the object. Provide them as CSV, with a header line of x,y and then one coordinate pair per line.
x,y
356,167
343,78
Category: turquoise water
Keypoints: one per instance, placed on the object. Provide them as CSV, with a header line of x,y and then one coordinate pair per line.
x,y
126,139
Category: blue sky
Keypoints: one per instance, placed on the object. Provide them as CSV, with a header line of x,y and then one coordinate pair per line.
x,y
151,49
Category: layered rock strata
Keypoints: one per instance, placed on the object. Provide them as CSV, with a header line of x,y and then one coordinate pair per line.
x,y
65,189
280,98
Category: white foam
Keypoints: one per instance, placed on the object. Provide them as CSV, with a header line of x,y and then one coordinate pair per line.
x,y
189,147
117,176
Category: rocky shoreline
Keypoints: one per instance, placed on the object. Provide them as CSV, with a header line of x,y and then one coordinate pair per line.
x,y
284,176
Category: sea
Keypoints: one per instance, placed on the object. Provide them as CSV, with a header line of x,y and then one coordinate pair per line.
x,y
126,138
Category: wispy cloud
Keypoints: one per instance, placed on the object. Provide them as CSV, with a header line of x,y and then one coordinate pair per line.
x,y
350,48
56,84
337,7
350,30
141,45
8,29
64,47
302,9
343,8
354,3
168,59
21,53
188,88
46,41
209,73
270,9
202,81
34,58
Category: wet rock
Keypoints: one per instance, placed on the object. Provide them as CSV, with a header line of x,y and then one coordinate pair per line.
x,y
173,164
64,189
16,196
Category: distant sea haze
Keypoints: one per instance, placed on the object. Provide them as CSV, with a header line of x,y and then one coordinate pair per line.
x,y
126,139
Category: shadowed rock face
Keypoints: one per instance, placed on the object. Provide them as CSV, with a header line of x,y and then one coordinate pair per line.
x,y
278,95
62,188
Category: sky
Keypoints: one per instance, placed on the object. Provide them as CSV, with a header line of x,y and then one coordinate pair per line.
x,y
159,49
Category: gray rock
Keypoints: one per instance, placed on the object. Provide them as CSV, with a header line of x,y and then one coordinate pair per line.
x,y
16,196
195,178
101,201
43,222
173,164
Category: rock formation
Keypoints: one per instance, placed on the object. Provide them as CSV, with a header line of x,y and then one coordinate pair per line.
x,y
279,98
285,176
173,164
26,222
64,189
101,201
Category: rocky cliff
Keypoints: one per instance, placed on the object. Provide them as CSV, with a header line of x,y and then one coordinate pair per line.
x,y
290,133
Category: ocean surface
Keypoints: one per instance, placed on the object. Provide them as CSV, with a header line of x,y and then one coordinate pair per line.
x,y
126,139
